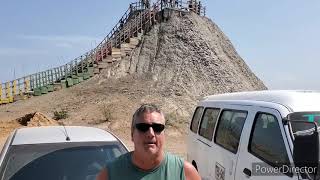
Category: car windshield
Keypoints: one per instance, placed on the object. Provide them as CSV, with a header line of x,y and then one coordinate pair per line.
x,y
304,121
65,161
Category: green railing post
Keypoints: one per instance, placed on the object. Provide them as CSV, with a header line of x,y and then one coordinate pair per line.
x,y
50,76
31,82
47,74
55,75
38,80
82,61
44,78
65,71
76,67
71,69
60,76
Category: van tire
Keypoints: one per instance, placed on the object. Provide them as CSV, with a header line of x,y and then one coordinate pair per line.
x,y
194,165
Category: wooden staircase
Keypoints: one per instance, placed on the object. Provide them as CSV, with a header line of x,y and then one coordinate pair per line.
x,y
124,37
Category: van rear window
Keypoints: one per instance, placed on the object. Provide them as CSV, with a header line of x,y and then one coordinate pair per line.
x,y
230,128
208,122
196,119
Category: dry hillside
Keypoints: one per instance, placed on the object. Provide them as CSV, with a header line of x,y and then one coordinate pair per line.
x,y
176,63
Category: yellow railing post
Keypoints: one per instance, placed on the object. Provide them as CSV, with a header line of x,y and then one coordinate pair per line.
x,y
26,86
20,93
20,87
8,92
14,87
7,89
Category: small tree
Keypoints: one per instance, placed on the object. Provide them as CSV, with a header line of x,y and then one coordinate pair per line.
x,y
63,114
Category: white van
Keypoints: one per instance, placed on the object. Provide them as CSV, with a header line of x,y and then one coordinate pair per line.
x,y
256,135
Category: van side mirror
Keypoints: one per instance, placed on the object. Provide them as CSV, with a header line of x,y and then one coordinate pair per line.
x,y
306,152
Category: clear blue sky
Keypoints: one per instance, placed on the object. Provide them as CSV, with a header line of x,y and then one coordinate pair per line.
x,y
277,39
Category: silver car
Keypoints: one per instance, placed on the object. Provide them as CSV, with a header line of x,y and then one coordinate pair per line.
x,y
58,153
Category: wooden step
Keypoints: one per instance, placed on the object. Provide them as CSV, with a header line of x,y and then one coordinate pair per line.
x,y
57,86
69,82
4,101
116,51
63,83
110,59
107,59
96,71
126,46
19,97
44,90
134,41
36,92
104,65
140,36
50,88
117,59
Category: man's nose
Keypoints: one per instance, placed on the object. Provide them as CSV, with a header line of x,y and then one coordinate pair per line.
x,y
150,132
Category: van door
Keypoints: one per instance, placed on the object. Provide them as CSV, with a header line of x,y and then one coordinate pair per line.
x,y
204,139
224,151
264,148
192,142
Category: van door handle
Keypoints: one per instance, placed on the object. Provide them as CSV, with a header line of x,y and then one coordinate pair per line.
x,y
247,172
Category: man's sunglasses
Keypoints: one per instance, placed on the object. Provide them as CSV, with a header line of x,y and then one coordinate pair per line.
x,y
144,127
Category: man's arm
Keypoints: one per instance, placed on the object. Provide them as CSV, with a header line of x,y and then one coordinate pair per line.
x,y
190,172
103,175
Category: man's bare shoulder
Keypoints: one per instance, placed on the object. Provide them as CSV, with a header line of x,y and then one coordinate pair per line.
x,y
190,172
103,174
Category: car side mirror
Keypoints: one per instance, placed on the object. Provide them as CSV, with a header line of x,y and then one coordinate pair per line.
x,y
306,153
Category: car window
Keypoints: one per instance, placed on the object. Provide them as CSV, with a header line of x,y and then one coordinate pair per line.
x,y
208,122
266,141
55,161
229,129
196,119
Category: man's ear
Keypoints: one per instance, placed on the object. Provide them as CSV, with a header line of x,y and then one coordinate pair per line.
x,y
132,135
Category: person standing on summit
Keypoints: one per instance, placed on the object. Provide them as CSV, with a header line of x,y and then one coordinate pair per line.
x,y
148,160
145,4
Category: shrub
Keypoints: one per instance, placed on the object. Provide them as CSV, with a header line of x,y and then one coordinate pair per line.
x,y
106,110
63,114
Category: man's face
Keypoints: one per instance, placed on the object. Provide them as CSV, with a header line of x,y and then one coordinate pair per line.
x,y
149,142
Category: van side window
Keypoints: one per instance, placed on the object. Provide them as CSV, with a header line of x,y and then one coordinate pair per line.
x,y
229,129
196,119
266,141
208,122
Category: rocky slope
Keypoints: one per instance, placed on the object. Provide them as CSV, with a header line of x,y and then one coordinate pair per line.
x,y
186,58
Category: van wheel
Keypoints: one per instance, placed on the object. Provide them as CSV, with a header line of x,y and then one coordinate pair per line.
x,y
195,165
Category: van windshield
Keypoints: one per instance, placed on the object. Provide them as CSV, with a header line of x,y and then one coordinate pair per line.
x,y
307,121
